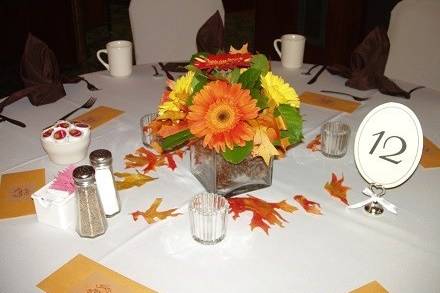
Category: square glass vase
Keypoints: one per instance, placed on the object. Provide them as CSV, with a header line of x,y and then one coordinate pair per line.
x,y
221,177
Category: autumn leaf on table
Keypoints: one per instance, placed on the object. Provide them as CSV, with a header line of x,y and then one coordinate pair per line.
x,y
336,189
262,145
315,144
149,160
131,179
264,213
308,205
151,215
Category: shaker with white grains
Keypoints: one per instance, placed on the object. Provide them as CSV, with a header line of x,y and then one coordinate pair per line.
x,y
91,219
101,160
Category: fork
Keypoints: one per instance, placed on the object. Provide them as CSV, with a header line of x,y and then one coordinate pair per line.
x,y
356,98
86,105
90,86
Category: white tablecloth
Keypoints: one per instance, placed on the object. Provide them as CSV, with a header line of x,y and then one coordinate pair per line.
x,y
336,252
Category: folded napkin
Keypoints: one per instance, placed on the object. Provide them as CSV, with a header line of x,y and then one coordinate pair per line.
x,y
367,66
210,37
40,74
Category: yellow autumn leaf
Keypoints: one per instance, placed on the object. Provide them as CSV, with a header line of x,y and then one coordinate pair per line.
x,y
131,179
242,50
152,215
262,145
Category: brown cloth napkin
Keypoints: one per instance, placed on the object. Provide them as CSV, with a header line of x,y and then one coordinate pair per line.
x,y
210,37
367,66
40,74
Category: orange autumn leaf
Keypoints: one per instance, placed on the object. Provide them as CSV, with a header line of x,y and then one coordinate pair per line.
x,y
264,213
130,180
151,215
148,160
336,189
315,144
167,130
308,205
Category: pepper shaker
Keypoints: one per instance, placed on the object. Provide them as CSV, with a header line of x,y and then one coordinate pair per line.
x,y
91,218
101,160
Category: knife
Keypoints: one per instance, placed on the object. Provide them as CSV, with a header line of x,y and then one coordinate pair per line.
x,y
317,75
13,121
169,76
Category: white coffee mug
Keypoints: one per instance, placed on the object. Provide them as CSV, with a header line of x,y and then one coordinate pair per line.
x,y
120,58
292,50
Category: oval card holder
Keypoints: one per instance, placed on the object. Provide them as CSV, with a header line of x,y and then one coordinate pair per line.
x,y
387,150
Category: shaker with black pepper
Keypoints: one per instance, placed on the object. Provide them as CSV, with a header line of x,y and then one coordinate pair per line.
x,y
91,217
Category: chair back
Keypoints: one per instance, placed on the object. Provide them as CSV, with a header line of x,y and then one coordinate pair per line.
x,y
166,30
414,34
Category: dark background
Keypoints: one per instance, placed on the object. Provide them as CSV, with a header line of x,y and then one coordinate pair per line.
x,y
76,29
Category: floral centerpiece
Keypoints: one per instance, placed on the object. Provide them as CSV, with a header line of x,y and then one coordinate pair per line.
x,y
233,111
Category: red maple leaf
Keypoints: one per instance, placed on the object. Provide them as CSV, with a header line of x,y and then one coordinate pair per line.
x,y
264,213
308,205
314,144
148,161
336,189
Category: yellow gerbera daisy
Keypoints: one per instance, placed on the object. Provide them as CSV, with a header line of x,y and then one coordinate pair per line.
x,y
220,114
180,91
279,91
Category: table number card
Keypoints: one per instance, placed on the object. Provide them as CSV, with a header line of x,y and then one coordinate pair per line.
x,y
82,274
98,116
387,149
16,190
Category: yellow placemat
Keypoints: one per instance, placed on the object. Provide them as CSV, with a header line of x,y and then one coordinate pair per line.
x,y
372,287
98,116
431,154
328,102
16,190
82,274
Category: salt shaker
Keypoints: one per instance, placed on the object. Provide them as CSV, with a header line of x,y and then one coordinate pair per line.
x,y
101,160
91,218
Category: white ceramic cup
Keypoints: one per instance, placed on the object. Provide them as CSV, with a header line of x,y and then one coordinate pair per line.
x,y
292,50
120,58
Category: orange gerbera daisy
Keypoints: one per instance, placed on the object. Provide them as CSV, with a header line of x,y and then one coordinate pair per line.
x,y
219,114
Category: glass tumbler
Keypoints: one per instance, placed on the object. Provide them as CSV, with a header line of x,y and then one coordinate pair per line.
x,y
146,134
334,139
208,217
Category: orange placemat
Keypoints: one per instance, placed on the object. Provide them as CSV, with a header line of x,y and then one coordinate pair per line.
x,y
328,102
98,116
82,274
16,190
431,154
372,287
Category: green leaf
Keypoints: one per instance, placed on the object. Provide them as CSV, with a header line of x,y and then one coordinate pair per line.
x,y
261,99
198,54
293,121
198,82
234,75
250,78
260,63
238,154
177,139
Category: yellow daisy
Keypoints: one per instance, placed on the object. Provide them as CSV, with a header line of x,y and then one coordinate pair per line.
x,y
279,91
180,91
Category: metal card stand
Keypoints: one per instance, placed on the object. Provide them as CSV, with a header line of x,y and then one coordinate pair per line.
x,y
375,208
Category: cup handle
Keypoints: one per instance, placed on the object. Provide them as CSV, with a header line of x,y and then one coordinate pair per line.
x,y
100,59
275,45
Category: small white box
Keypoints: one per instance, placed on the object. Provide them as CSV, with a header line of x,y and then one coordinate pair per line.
x,y
55,208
